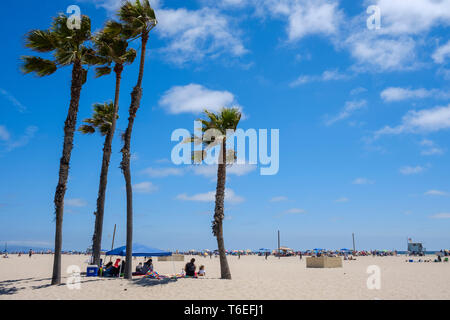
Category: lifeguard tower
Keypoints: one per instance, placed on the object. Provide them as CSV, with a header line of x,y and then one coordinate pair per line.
x,y
416,249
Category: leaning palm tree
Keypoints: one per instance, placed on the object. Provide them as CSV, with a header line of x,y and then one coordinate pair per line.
x,y
68,47
138,19
111,48
215,129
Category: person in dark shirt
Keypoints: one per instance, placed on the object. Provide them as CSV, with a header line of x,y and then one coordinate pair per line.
x,y
190,268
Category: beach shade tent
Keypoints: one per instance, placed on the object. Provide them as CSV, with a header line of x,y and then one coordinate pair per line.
x,y
344,249
139,250
264,250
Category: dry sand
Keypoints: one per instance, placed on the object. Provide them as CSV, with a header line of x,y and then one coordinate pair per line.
x,y
253,278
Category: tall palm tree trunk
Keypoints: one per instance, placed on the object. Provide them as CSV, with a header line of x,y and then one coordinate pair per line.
x,y
69,129
99,214
136,96
219,213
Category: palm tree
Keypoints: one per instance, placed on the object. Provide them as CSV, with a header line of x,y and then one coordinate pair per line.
x,y
68,47
138,19
216,127
111,47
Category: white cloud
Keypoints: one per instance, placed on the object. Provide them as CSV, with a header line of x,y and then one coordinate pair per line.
x,y
10,143
398,94
430,148
436,193
144,187
343,199
426,120
279,199
327,75
362,181
357,91
441,216
413,16
162,172
195,98
380,54
349,108
75,202
408,170
295,211
210,171
196,34
304,17
20,107
210,196
442,53
4,133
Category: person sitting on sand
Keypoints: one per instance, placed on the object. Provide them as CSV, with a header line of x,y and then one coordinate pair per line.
x,y
190,268
201,271
139,267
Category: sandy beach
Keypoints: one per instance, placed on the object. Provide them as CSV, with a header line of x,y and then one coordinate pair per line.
x,y
253,278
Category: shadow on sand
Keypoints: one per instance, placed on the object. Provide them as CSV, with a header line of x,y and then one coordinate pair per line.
x,y
146,282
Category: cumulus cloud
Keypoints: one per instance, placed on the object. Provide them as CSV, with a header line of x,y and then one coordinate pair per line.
x,y
401,17
303,17
426,120
408,170
144,187
230,196
442,53
193,35
398,94
194,98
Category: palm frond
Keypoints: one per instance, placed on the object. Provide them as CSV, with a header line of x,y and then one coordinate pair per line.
x,y
39,66
41,41
102,71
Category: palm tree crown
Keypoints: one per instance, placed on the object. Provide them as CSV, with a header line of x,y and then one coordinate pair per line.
x,y
217,125
101,120
111,46
139,18
66,45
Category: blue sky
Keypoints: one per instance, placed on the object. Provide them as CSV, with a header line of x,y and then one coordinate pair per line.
x,y
363,118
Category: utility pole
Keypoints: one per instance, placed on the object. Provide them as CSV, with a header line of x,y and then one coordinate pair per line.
x,y
278,244
354,248
112,245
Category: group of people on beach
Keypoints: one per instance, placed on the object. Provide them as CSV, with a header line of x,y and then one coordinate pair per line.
x,y
191,267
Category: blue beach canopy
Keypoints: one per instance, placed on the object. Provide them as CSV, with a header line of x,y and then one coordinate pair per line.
x,y
264,250
139,250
